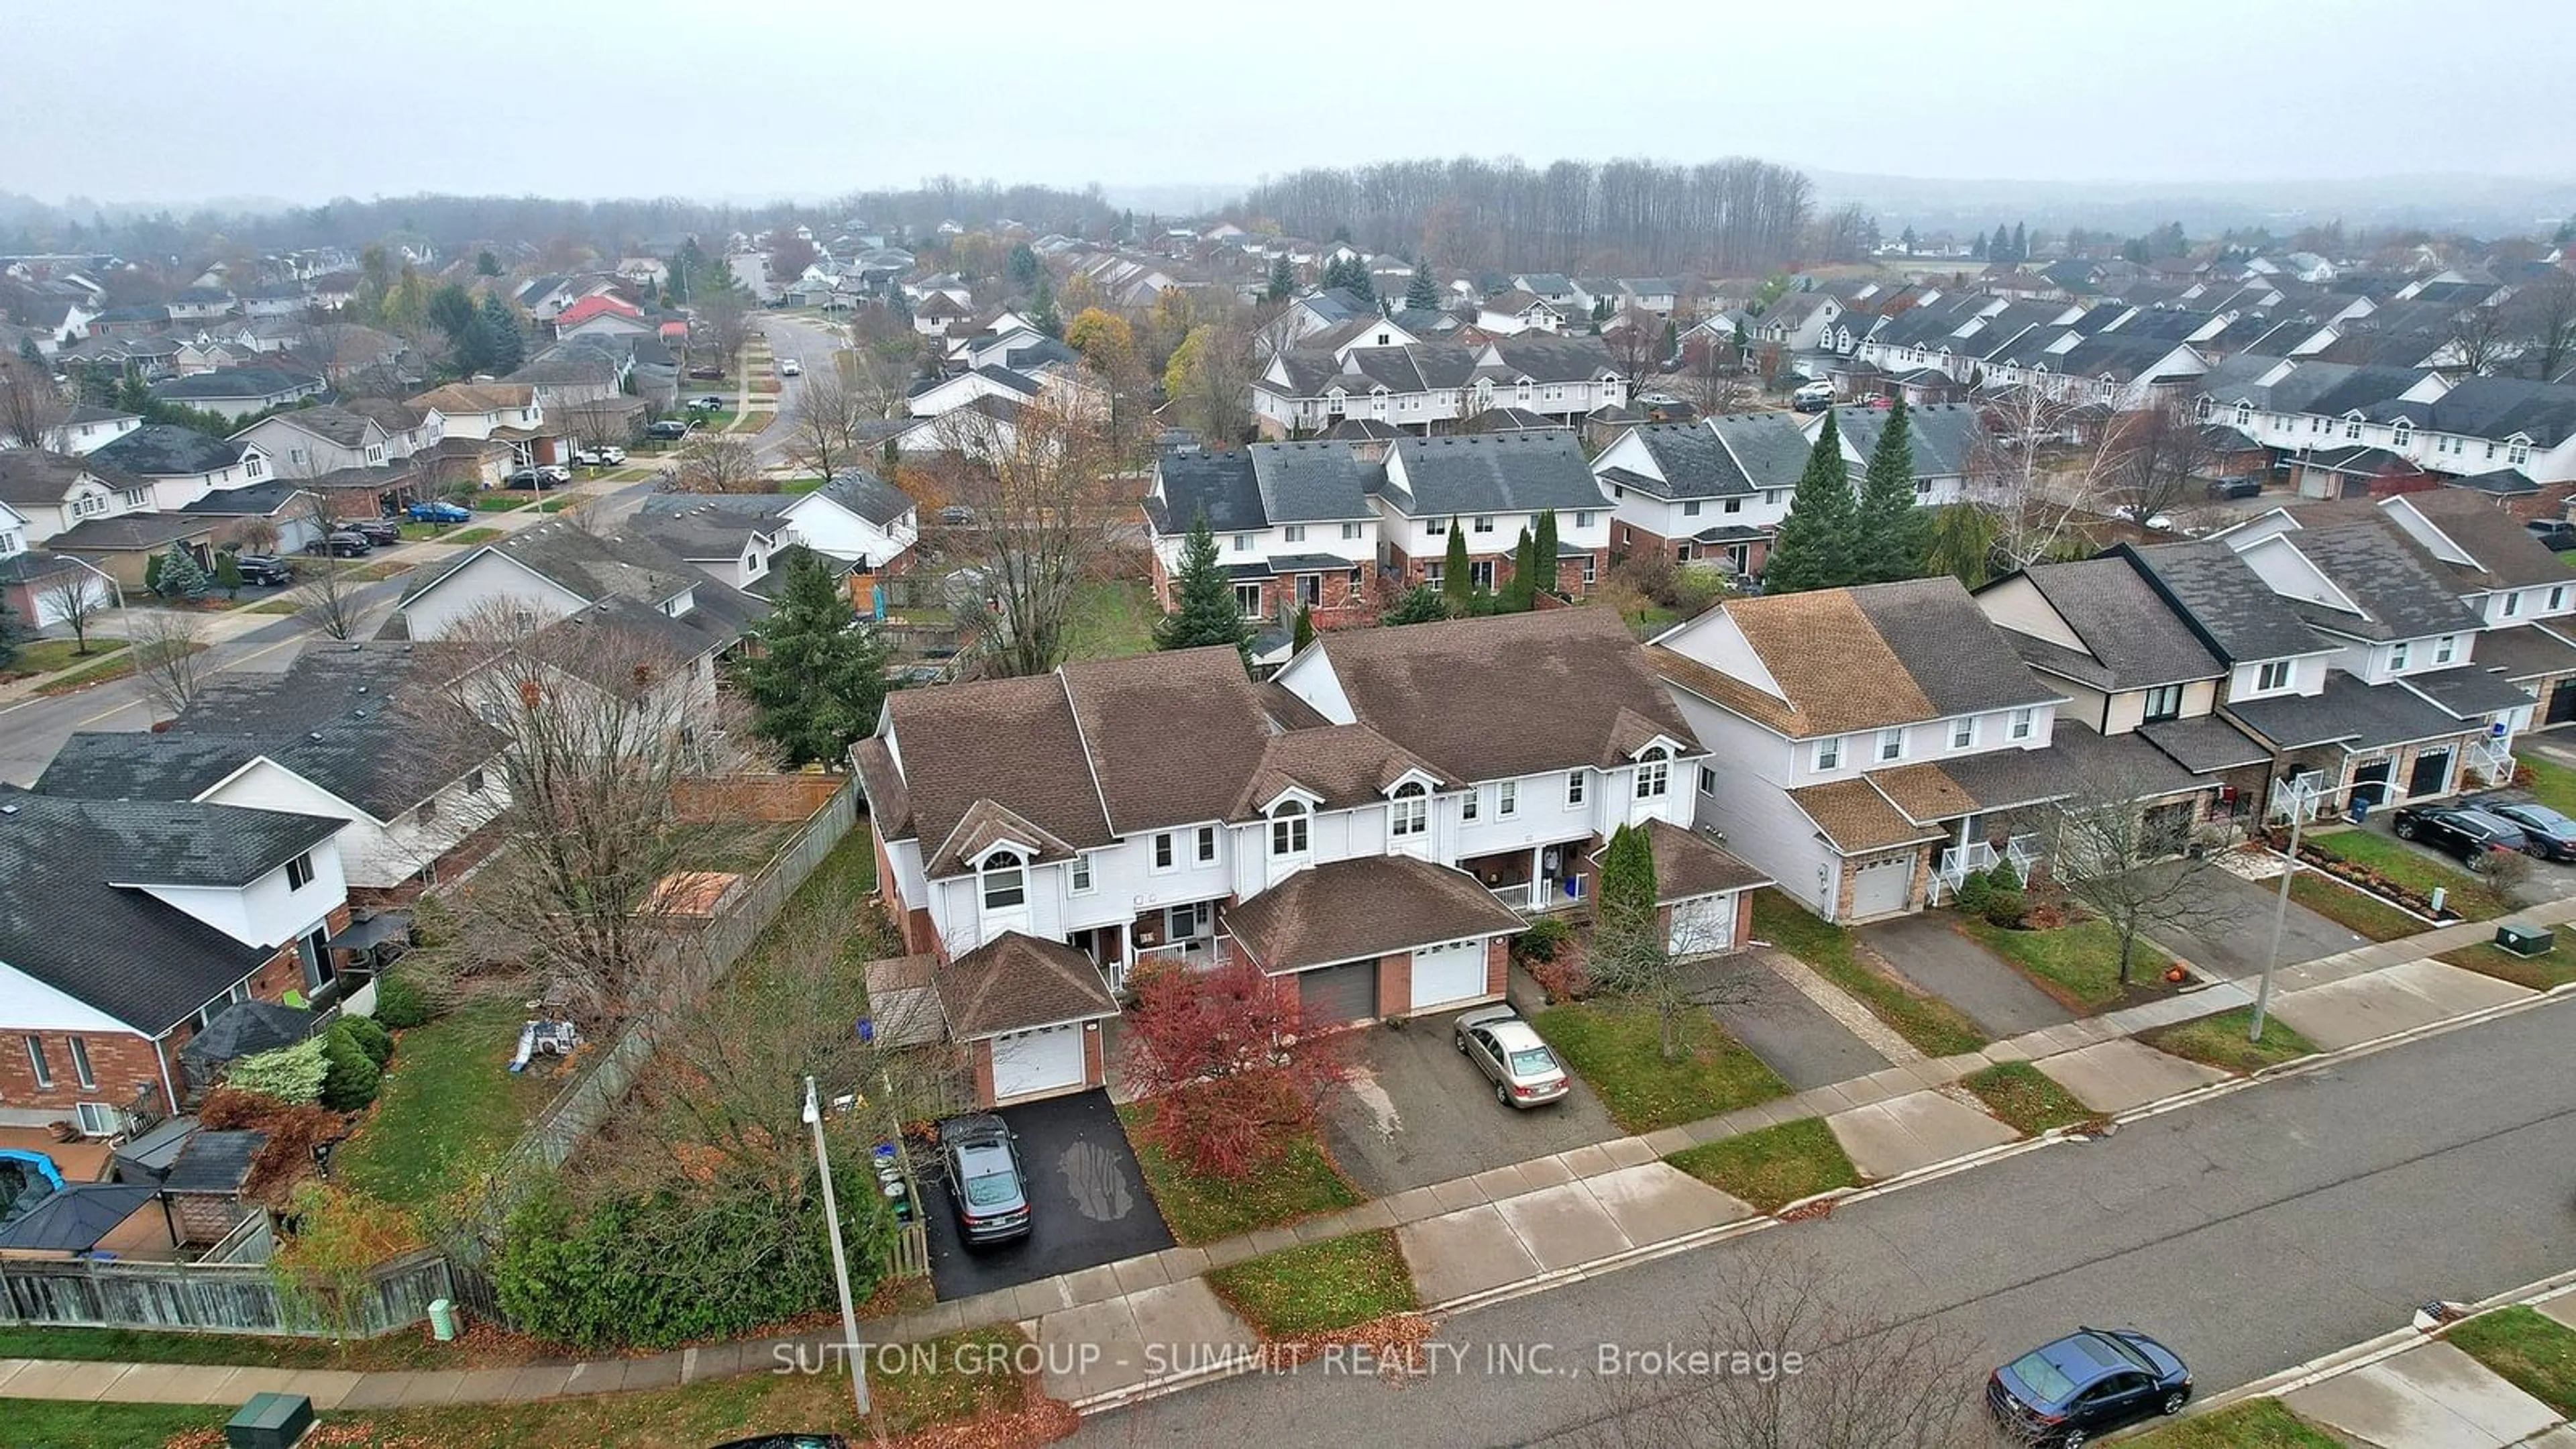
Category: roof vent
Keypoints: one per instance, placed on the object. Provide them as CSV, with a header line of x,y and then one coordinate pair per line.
x,y
8,809
317,734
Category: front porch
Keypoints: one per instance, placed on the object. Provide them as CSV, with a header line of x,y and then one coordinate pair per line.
x,y
1537,878
1186,933
1958,859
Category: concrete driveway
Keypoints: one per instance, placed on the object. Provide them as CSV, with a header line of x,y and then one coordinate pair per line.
x,y
1792,1034
1998,998
1416,1112
2231,942
1087,1202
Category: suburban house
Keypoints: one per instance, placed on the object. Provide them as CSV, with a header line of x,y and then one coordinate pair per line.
x,y
339,734
54,492
38,587
238,392
1516,311
1358,833
84,429
2459,428
1419,385
1949,441
1797,321
857,520
125,925
2507,577
1711,491
494,412
1491,486
1870,746
1295,526
183,465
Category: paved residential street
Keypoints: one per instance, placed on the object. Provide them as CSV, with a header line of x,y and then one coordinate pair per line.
x,y
2252,1233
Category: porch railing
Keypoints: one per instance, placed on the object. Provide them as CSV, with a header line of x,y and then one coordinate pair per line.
x,y
1977,857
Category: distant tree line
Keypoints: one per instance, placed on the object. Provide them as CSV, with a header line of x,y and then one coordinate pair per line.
x,y
1728,217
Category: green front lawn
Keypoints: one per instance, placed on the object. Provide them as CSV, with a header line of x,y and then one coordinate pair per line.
x,y
1774,1167
502,502
2252,1424
1934,1027
70,1424
98,671
2026,1098
449,1108
2354,910
1318,1287
1620,1052
2532,1351
2219,1041
2553,967
2079,964
411,1348
800,485
44,656
2554,785
2411,868
1112,619
470,536
1204,1209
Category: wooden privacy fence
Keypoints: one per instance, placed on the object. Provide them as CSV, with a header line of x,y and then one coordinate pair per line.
x,y
211,1297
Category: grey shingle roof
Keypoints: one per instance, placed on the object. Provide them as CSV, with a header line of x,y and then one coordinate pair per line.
x,y
38,478
2468,691
1483,473
709,525
1307,920
259,500
133,531
160,450
1312,482
867,495
2359,715
2530,651
2233,610
115,947
1959,659
2395,584
2204,744
2500,407
1694,463
1768,447
1219,484
592,566
2123,624
1946,437
228,383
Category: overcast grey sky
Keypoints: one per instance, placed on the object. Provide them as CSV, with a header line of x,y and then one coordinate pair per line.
x,y
158,100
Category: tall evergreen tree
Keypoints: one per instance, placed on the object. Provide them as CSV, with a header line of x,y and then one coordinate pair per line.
x,y
8,634
1814,547
1977,252
819,677
1359,281
2020,243
1422,294
1453,570
1203,610
1282,280
1999,246
181,578
1305,631
1421,604
1520,590
1546,550
1626,897
1889,529
1042,313
503,348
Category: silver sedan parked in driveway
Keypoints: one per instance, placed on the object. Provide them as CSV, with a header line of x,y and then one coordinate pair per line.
x,y
1524,1072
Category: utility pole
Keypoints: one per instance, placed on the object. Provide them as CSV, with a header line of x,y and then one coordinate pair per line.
x,y
2299,802
840,1258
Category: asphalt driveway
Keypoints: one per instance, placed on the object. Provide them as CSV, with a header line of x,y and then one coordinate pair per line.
x,y
1416,1112
1792,1034
2232,941
1998,998
1087,1202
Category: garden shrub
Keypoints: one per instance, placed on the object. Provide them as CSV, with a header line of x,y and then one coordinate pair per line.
x,y
661,1269
370,1036
350,1078
293,1074
2004,908
1541,940
1974,893
400,1001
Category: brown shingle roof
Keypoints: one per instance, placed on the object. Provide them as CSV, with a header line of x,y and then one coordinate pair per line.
x,y
1923,792
1687,866
1855,817
1836,673
474,397
1353,909
1345,765
1518,694
1012,741
1172,735
1014,982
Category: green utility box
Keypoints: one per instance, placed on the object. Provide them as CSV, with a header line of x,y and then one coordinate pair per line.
x,y
2525,940
270,1421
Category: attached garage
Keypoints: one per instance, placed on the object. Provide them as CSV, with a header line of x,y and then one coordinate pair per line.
x,y
1030,1063
1449,973
1333,995
1880,887
1703,925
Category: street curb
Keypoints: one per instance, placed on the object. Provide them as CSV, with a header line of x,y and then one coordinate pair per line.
x,y
2369,1351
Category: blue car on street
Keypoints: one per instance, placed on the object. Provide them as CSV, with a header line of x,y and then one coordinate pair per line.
x,y
438,511
2092,1381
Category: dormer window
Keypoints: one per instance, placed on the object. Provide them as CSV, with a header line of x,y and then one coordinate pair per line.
x,y
1006,881
2274,674
2244,415
2164,702
2518,452
1288,828
2352,430
1409,813
2402,434
1654,773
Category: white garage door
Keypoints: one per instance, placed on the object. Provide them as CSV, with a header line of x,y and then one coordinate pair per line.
x,y
1046,1060
1880,886
1446,973
1703,925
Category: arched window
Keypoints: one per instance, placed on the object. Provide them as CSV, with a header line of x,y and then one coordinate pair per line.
x,y
1006,881
1411,811
1654,773
2244,414
2402,434
1288,827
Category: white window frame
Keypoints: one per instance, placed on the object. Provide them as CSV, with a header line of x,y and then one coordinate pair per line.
x,y
2025,722
2158,695
1409,811
1891,745
1471,803
1204,851
1654,773
2446,648
994,878
1573,788
2512,604
301,865
1829,753
1294,532
2272,674
2397,655
1963,732
1507,799
1291,830
1243,542
1080,880
1484,523
81,1070
1166,855
36,1062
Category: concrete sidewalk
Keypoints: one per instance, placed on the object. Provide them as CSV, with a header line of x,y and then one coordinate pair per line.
x,y
1514,1229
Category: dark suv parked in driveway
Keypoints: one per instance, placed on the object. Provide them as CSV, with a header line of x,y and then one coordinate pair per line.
x,y
2472,835
264,570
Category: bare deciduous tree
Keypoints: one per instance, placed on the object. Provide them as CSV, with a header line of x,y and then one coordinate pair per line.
x,y
2479,339
2026,488
717,463
1209,383
1044,514
1712,378
1791,1367
31,406
327,601
2153,458
166,650
723,323
883,358
827,424
2544,323
76,600
603,724
2123,847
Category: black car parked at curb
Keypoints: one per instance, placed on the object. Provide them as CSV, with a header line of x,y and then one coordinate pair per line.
x,y
2546,833
2472,835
